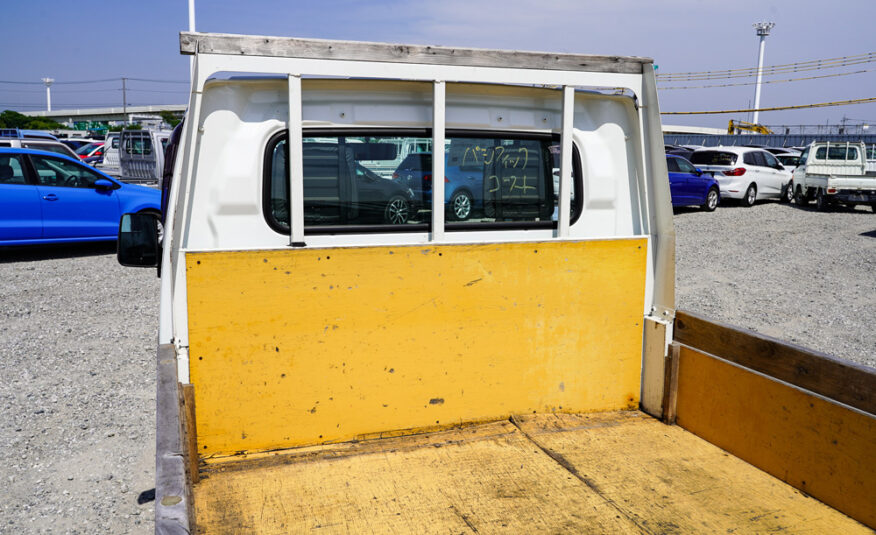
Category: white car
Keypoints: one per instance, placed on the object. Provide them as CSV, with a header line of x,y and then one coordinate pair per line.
x,y
745,173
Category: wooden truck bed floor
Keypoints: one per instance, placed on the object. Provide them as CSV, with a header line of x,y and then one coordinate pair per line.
x,y
614,472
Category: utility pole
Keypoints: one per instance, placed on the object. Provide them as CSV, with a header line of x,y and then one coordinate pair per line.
x,y
48,82
125,99
762,29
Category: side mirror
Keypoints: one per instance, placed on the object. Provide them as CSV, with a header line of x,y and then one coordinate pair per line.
x,y
102,183
138,241
698,172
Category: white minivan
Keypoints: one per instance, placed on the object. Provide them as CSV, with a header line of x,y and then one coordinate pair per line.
x,y
744,173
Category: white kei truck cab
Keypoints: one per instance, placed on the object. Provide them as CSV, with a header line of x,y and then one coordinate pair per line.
x,y
833,174
343,351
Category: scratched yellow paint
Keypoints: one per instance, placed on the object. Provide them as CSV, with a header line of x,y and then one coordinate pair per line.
x,y
307,346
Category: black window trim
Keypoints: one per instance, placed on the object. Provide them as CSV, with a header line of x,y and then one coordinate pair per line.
x,y
321,230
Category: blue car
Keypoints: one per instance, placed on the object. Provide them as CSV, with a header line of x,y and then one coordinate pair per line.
x,y
49,198
689,186
463,191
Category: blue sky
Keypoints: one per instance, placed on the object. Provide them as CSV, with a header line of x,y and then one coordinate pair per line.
x,y
75,41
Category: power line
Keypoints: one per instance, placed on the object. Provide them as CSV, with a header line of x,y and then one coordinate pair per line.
x,y
767,81
802,66
778,108
104,80
160,81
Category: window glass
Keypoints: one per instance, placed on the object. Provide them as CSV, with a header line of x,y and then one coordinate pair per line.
x,y
387,180
85,149
64,173
138,145
685,167
713,157
11,169
749,158
836,153
50,147
114,143
672,165
770,159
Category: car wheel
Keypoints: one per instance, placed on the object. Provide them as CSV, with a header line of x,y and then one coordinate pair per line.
x,y
822,204
460,206
788,194
750,196
157,216
711,200
800,197
397,211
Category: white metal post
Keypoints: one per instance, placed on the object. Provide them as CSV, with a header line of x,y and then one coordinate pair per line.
x,y
438,94
295,165
48,82
763,29
564,216
192,29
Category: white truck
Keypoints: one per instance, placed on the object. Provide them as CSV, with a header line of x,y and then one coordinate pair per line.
x,y
330,360
834,174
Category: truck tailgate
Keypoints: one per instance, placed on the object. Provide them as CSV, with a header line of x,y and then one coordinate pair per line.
x,y
609,472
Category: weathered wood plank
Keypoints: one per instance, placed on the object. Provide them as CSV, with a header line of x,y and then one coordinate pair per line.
x,y
190,436
822,448
289,47
653,363
172,491
668,480
617,472
670,385
482,479
841,380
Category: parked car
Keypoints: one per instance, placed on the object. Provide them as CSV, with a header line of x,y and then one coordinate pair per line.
x,y
76,143
92,149
111,152
745,173
690,186
788,160
834,174
50,198
463,192
14,138
684,152
141,155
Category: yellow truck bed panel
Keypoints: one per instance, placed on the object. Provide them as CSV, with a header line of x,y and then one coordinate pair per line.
x,y
301,347
613,472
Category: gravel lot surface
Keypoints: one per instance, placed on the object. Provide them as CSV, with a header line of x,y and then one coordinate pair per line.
x,y
795,274
78,339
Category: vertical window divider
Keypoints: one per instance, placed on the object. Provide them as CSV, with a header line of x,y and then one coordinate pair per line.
x,y
295,165
564,215
438,124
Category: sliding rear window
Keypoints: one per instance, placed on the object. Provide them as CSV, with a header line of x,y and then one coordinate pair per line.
x,y
383,182
713,157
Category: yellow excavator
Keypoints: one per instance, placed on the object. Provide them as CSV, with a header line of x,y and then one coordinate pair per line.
x,y
736,127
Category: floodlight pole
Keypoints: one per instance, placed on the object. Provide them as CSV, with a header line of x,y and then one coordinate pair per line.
x,y
192,29
762,29
48,82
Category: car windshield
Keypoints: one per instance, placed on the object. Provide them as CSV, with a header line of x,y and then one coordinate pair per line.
x,y
713,157
85,149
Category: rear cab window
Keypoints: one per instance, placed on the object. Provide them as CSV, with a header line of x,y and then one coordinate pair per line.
x,y
354,180
836,153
